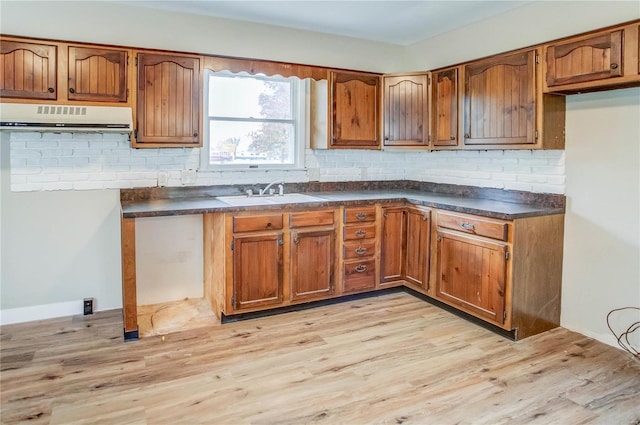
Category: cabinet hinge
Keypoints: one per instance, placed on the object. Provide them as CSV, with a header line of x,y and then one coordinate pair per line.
x,y
233,300
135,134
537,134
506,255
428,80
504,315
136,61
537,58
233,245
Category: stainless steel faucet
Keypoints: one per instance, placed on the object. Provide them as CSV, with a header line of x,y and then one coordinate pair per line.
x,y
266,190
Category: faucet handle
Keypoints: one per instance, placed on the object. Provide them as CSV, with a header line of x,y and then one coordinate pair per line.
x,y
249,192
281,189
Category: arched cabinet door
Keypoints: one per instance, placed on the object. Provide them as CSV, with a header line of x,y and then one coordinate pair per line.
x,y
28,70
168,101
406,110
354,101
500,100
97,74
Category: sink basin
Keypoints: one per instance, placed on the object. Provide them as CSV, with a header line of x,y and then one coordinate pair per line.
x,y
289,198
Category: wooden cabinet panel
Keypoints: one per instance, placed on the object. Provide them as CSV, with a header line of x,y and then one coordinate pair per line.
x,y
311,218
97,74
444,106
474,225
406,110
392,244
365,231
471,273
359,214
499,101
417,244
257,270
354,103
359,275
312,263
594,58
28,70
358,249
252,223
168,100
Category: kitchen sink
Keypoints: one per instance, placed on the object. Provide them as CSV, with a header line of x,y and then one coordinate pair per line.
x,y
288,198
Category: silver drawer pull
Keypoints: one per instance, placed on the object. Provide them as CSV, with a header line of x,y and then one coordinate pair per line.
x,y
360,250
361,233
361,216
467,226
361,268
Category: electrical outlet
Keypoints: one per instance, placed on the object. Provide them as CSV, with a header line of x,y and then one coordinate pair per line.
x,y
88,306
163,178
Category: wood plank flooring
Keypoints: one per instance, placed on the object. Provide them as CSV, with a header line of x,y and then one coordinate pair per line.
x,y
392,359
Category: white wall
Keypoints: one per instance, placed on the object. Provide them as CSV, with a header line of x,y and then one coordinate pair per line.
x,y
531,24
602,234
113,23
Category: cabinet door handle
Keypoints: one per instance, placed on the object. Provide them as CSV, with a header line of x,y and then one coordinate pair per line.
x,y
361,233
439,238
279,241
195,134
467,226
296,240
361,216
452,138
361,268
425,217
360,250
72,90
466,136
51,90
613,66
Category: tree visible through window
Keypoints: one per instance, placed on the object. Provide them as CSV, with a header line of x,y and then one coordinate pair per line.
x,y
252,120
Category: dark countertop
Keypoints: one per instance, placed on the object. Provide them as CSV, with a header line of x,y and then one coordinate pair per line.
x,y
471,205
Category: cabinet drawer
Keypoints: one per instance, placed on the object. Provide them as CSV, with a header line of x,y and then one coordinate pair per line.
x,y
252,223
358,249
474,225
359,214
359,275
310,218
366,231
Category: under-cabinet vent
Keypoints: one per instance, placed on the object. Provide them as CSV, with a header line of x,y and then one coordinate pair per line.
x,y
59,118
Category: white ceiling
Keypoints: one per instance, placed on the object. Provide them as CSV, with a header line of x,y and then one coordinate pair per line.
x,y
395,22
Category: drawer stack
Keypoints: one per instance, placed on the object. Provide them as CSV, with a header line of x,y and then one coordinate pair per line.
x,y
359,242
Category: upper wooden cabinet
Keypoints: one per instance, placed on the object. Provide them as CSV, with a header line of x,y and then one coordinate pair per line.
x,y
406,110
593,58
444,108
28,70
354,104
97,74
499,100
168,101
595,61
504,106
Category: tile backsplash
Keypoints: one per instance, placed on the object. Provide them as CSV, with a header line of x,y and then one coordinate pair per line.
x,y
79,161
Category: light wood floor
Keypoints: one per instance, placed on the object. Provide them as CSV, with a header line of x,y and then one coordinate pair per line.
x,y
392,359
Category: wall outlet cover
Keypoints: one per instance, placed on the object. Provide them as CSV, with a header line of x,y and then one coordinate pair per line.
x,y
88,306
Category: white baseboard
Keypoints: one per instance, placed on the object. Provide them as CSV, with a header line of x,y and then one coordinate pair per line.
x,y
41,312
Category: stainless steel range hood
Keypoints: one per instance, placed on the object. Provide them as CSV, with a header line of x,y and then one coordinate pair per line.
x,y
63,118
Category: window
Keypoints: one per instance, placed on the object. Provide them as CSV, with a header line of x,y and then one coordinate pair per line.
x,y
253,121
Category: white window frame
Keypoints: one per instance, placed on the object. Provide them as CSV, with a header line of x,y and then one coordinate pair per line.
x,y
299,118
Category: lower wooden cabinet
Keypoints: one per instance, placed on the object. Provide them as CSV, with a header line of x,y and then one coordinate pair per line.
x,y
505,272
471,274
405,245
257,270
312,263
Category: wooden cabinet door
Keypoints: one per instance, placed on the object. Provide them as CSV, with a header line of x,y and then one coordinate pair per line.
x,y
168,100
28,70
589,59
406,105
444,106
354,101
418,241
499,101
392,244
257,270
97,74
471,274
312,263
